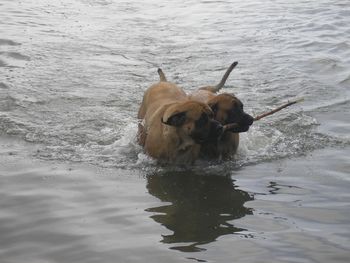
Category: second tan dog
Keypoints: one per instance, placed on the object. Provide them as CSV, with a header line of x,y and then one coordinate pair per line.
x,y
174,126
227,109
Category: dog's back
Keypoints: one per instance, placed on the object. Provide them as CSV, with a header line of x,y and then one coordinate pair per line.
x,y
159,94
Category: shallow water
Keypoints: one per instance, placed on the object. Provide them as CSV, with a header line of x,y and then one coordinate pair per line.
x,y
75,186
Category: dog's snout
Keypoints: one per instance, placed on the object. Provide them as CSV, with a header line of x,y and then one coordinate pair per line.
x,y
249,119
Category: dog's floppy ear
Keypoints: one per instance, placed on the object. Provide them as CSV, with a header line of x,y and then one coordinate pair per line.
x,y
177,119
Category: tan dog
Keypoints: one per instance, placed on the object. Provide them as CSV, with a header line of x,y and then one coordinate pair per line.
x,y
174,126
227,109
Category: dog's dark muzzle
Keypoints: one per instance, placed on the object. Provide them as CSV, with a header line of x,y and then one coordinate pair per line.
x,y
209,135
246,120
243,124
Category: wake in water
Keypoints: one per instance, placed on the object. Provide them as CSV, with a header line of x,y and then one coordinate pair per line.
x,y
87,130
90,130
293,135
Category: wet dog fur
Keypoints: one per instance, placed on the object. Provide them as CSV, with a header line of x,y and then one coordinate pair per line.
x,y
227,108
174,127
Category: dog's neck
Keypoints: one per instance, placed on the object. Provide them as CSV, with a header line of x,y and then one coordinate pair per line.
x,y
182,141
186,148
185,145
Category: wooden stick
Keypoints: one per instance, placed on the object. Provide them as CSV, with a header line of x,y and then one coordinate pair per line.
x,y
230,126
277,109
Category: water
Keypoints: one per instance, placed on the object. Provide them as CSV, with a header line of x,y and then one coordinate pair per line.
x,y
75,186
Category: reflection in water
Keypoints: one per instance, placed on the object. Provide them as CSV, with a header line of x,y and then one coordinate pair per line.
x,y
201,207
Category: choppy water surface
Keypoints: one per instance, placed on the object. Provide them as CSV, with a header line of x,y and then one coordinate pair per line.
x,y
74,185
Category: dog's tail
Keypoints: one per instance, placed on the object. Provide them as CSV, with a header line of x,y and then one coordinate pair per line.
x,y
161,75
216,88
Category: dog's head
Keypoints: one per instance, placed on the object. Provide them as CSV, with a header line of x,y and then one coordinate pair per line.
x,y
193,119
227,109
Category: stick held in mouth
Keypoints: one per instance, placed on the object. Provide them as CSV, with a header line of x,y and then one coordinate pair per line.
x,y
232,126
277,109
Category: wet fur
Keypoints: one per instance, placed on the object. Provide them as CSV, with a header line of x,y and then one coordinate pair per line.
x,y
221,104
227,109
161,136
227,146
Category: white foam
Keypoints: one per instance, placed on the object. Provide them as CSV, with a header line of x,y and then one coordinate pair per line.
x,y
257,144
126,144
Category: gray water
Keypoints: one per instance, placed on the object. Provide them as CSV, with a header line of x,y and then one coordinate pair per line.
x,y
75,186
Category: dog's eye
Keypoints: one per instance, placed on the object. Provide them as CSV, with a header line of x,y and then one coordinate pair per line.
x,y
241,106
202,120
